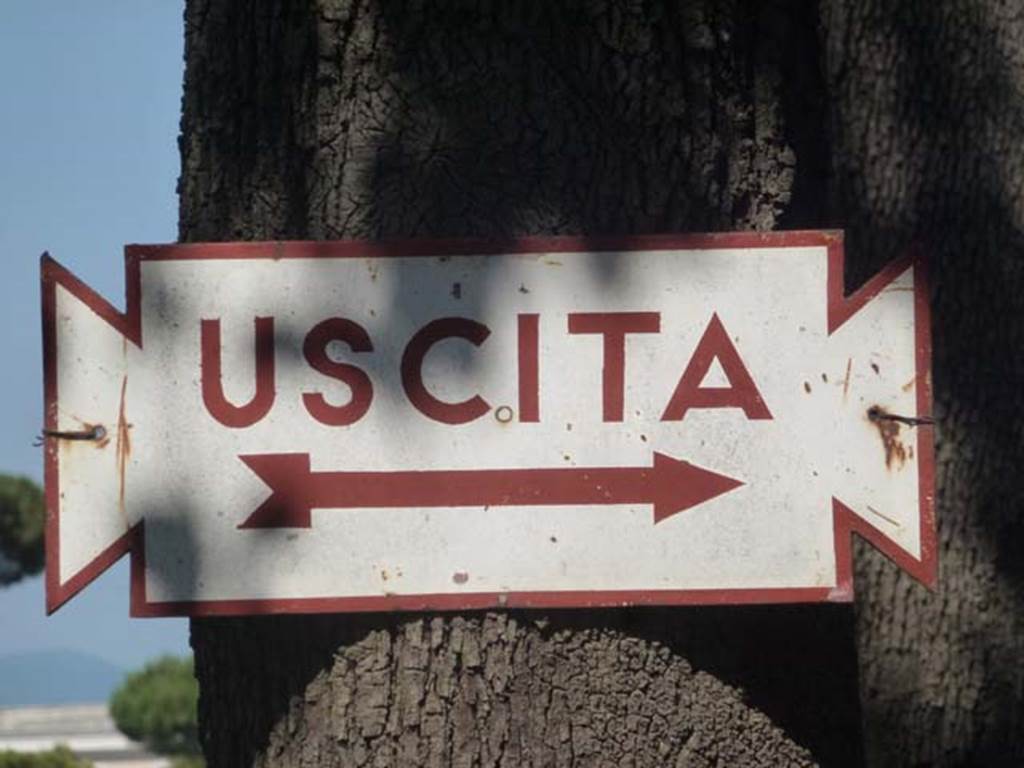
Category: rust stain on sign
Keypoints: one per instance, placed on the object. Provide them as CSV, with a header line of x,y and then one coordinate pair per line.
x,y
846,380
889,431
123,446
89,433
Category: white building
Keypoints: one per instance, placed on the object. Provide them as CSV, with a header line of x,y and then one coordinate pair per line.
x,y
86,729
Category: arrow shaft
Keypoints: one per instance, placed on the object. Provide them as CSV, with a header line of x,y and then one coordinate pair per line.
x,y
668,485
470,488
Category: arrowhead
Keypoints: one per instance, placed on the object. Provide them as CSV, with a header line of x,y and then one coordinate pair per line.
x,y
288,476
678,485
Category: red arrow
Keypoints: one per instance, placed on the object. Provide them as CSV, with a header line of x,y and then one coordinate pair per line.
x,y
669,485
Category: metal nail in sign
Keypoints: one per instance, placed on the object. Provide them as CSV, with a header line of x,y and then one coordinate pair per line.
x,y
350,426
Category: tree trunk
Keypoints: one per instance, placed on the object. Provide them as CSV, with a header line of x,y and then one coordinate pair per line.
x,y
332,119
929,116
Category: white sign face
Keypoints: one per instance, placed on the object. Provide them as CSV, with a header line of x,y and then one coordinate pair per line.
x,y
275,427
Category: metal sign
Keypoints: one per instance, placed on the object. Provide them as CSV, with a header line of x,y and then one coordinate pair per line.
x,y
298,427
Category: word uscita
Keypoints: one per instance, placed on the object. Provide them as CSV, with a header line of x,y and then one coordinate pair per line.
x,y
613,327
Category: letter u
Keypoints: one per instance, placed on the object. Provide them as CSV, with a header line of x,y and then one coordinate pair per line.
x,y
229,414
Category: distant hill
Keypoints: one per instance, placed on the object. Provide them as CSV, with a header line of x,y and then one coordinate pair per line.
x,y
39,678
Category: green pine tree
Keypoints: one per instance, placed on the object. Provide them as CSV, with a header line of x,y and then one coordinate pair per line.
x,y
157,706
22,513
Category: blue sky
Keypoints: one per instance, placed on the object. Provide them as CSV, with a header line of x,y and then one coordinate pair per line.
x,y
91,97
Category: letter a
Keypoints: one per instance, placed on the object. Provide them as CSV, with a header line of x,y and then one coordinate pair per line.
x,y
741,392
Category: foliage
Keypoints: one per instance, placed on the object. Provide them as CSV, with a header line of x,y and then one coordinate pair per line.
x,y
157,706
22,512
188,761
61,757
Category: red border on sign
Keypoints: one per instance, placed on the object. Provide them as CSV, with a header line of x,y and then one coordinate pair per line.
x,y
845,521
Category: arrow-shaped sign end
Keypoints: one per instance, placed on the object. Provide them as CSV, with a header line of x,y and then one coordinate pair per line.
x,y
678,485
288,476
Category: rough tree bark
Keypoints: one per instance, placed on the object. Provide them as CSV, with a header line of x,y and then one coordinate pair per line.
x,y
928,110
335,119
